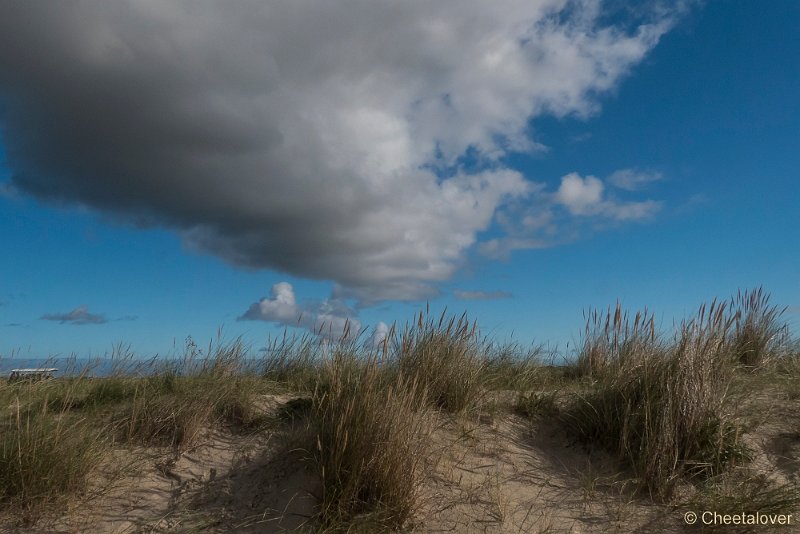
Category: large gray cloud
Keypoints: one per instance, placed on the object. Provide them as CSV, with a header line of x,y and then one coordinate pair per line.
x,y
302,136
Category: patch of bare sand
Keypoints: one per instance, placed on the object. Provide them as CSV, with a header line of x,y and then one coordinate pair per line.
x,y
507,476
226,483
501,474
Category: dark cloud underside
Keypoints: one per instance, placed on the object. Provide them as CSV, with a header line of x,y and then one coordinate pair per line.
x,y
300,136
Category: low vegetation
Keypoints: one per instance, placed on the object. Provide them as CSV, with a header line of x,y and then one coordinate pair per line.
x,y
370,435
659,406
365,417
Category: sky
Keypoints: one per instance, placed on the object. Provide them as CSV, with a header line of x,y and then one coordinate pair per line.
x,y
184,169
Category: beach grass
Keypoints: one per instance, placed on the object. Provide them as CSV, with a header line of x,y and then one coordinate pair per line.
x,y
364,414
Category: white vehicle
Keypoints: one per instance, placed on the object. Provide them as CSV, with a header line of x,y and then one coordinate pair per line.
x,y
41,373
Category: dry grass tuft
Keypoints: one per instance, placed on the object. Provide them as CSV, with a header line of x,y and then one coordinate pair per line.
x,y
370,440
444,357
611,340
292,361
45,455
660,406
758,335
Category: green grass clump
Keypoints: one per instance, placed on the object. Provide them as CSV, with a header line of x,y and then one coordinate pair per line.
x,y
109,391
45,456
177,400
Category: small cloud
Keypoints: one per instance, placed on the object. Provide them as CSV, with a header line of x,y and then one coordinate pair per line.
x,y
581,196
481,295
280,308
586,197
127,318
633,180
331,318
632,211
78,316
14,325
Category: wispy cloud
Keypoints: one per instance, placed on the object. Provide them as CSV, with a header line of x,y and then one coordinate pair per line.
x,y
481,295
546,218
331,152
78,316
330,318
633,180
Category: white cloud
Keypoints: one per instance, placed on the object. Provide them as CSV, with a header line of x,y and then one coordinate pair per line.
x,y
633,180
379,333
281,307
330,318
545,219
301,136
581,196
632,211
586,197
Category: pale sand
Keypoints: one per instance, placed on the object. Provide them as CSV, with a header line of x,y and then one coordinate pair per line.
x,y
494,474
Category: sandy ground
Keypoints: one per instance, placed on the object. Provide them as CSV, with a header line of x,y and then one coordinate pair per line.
x,y
495,474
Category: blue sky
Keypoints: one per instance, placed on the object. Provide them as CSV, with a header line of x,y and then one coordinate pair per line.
x,y
159,184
